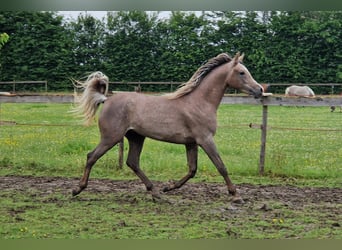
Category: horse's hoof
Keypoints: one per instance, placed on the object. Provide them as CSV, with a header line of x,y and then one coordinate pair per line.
x,y
155,195
170,186
76,192
237,200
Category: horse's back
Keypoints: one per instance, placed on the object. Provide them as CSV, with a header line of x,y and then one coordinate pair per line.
x,y
146,114
157,117
295,90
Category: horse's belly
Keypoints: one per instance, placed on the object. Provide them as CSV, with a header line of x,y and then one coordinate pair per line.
x,y
165,131
173,138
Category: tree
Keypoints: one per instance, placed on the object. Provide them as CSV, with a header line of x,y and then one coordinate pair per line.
x,y
305,46
130,46
322,43
38,50
280,46
183,47
87,40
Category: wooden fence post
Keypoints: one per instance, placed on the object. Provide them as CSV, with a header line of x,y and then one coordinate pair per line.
x,y
263,140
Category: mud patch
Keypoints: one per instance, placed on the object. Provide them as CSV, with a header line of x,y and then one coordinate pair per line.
x,y
197,192
268,211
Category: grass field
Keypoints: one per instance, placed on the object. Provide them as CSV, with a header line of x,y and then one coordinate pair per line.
x,y
43,155
303,143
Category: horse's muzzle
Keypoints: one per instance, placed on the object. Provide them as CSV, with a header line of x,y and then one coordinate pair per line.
x,y
257,92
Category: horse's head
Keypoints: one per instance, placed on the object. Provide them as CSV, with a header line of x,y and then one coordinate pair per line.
x,y
240,78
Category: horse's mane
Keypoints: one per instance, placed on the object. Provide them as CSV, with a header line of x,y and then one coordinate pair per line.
x,y
198,76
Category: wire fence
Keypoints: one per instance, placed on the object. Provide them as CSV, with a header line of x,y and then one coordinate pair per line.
x,y
263,127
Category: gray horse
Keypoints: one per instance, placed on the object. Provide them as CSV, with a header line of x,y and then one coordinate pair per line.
x,y
186,116
295,90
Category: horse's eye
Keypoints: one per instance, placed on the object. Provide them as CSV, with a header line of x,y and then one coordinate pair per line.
x,y
242,73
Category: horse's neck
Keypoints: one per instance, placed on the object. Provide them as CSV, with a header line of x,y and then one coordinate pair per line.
x,y
212,89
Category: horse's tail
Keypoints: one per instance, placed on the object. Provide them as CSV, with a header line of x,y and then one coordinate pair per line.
x,y
95,91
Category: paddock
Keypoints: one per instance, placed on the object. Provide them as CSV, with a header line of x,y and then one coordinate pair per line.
x,y
299,195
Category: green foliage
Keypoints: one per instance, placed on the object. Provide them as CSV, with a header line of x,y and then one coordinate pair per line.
x,y
280,46
3,39
305,47
87,40
129,46
39,48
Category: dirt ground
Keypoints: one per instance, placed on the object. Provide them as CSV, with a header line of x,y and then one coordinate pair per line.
x,y
197,192
322,207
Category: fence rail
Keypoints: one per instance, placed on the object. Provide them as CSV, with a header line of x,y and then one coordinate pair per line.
x,y
280,100
15,83
335,88
174,85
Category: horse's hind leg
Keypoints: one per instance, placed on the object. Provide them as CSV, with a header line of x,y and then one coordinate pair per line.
x,y
136,142
92,157
191,154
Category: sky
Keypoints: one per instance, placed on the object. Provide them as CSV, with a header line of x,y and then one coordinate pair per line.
x,y
100,14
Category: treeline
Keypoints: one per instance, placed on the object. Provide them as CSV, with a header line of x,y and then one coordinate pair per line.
x,y
280,47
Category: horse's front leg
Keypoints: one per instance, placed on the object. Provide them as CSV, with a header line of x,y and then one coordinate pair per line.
x,y
210,148
191,154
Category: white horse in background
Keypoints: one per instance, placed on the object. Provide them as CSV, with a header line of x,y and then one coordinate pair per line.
x,y
295,90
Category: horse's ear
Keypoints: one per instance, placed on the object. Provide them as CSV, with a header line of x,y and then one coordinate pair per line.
x,y
236,58
241,57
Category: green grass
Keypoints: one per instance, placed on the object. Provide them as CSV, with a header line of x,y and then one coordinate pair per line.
x,y
49,141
